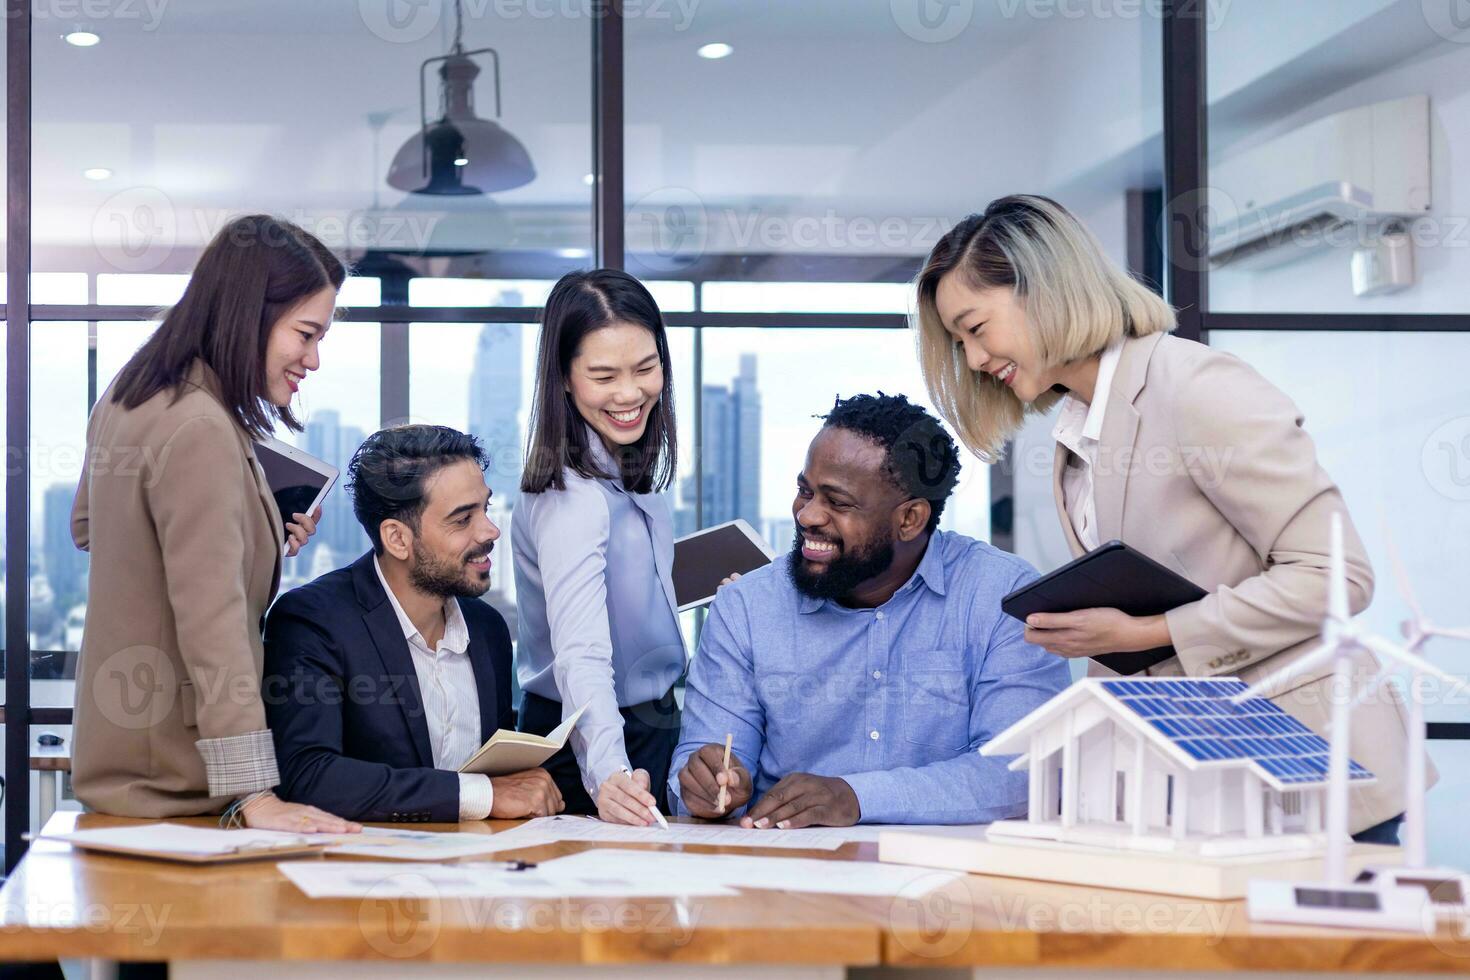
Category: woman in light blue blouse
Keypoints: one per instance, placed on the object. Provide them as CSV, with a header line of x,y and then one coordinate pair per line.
x,y
593,542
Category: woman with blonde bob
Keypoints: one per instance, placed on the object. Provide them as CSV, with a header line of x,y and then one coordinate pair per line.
x,y
1178,449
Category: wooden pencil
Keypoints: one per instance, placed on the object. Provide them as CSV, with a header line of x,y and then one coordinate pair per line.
x,y
724,798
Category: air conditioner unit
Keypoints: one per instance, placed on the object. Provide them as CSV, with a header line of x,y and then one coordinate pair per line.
x,y
1337,181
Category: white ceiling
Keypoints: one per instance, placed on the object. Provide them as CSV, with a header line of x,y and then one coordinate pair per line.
x,y
827,107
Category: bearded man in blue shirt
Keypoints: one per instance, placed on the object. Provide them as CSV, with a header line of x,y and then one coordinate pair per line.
x,y
860,674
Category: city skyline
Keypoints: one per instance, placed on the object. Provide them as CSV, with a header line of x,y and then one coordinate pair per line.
x,y
329,440
495,404
761,406
730,458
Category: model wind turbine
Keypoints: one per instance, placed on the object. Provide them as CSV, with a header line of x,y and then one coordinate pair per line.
x,y
1446,886
1336,901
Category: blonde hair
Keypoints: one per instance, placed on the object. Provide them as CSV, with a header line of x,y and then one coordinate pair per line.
x,y
1077,303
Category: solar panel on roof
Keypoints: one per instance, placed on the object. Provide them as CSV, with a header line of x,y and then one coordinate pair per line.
x,y
1200,717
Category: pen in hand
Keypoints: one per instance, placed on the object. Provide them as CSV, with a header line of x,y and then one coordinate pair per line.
x,y
659,817
723,800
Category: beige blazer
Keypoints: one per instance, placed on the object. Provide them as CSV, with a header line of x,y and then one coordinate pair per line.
x,y
186,546
1204,466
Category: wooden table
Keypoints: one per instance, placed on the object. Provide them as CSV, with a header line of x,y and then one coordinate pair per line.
x,y
64,903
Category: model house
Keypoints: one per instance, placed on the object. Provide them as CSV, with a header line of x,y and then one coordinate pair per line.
x,y
1166,764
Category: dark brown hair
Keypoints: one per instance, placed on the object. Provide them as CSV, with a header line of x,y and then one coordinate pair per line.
x,y
388,476
254,271
580,303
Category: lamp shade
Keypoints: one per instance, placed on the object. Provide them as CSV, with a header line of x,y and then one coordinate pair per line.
x,y
465,154
493,160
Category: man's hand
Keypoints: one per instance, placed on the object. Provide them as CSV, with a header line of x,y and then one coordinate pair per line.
x,y
1092,632
625,799
531,793
804,800
703,775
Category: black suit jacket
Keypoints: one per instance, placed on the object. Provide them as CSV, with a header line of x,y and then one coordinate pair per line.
x,y
344,706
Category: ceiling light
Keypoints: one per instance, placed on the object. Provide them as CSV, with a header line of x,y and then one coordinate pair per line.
x,y
459,153
81,39
716,50
96,173
588,179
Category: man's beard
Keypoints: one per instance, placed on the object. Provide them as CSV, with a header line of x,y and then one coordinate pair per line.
x,y
445,579
844,573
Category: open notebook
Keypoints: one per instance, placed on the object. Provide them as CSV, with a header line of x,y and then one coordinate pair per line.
x,y
506,751
195,845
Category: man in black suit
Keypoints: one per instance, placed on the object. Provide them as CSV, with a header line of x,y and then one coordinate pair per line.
x,y
383,677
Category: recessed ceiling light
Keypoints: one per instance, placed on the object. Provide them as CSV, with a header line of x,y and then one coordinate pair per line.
x,y
96,173
588,179
461,161
716,50
81,39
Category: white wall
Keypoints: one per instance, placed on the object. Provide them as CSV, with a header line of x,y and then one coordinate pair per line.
x,y
1249,39
1320,281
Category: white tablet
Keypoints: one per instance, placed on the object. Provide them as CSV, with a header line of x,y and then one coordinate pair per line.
x,y
705,558
298,480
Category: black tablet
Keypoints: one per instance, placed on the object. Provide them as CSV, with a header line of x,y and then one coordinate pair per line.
x,y
1113,576
298,480
705,558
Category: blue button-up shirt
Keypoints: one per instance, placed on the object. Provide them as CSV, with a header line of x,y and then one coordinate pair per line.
x,y
896,700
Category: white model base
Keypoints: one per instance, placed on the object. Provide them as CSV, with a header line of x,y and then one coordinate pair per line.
x,y
1447,888
1401,908
1191,875
1112,836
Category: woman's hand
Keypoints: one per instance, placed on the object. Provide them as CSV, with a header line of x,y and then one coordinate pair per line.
x,y
624,798
270,812
1093,632
732,577
300,531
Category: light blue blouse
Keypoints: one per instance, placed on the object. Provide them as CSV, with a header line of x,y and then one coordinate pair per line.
x,y
597,622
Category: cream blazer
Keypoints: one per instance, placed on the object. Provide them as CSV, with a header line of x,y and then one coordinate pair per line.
x,y
186,546
1204,466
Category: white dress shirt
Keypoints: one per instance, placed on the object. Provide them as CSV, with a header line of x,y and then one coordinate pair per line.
x,y
451,700
1079,427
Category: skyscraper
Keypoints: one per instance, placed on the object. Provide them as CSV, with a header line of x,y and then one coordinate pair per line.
x,y
65,565
327,438
748,443
494,418
730,459
495,405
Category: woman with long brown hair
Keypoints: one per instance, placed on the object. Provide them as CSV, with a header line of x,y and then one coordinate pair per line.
x,y
593,542
186,541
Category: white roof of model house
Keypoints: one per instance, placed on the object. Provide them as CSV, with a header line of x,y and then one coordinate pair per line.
x,y
1196,723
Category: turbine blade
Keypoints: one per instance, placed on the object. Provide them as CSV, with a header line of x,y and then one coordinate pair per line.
x,y
1417,664
1391,651
1458,634
1337,604
1270,681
